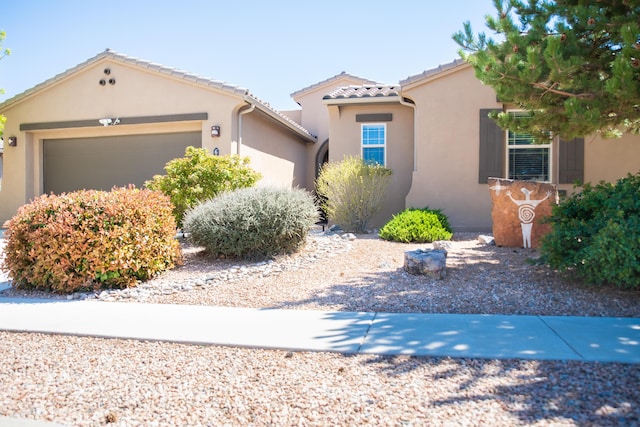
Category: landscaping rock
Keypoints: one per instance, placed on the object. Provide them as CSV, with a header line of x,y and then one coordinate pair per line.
x,y
486,240
426,262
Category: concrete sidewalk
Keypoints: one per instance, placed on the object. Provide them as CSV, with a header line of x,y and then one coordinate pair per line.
x,y
472,336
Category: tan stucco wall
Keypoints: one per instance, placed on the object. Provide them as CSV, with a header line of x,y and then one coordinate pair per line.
x,y
278,156
447,142
607,159
345,140
611,159
314,115
138,92
447,136
295,115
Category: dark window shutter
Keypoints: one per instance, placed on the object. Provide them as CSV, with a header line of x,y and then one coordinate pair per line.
x,y
571,161
491,147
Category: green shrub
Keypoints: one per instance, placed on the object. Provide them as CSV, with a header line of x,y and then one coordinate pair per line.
x,y
353,192
90,239
417,225
253,222
199,176
596,234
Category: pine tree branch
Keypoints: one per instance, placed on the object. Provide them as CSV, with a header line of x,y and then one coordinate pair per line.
x,y
550,89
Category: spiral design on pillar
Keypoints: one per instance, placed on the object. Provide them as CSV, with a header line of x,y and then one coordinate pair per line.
x,y
526,213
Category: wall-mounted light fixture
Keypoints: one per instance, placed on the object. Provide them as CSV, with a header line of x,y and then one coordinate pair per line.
x,y
215,131
107,122
216,151
13,141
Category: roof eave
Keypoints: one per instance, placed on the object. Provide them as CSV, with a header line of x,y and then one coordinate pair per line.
x,y
282,119
322,83
433,74
391,99
51,81
127,60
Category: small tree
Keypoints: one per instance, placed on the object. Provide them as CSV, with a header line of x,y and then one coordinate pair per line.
x,y
573,65
199,176
353,191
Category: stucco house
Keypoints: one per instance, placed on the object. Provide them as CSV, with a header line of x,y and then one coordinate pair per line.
x,y
442,146
114,120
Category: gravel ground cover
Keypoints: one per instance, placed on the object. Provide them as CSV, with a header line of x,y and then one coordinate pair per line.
x,y
91,382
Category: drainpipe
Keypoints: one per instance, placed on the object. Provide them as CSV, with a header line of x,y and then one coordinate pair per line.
x,y
240,114
415,127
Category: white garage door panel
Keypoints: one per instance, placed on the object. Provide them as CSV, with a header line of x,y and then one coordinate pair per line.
x,y
102,163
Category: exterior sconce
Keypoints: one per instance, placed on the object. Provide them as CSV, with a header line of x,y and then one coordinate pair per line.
x,y
216,151
13,141
215,131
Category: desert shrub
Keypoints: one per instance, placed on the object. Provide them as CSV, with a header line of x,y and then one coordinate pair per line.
x,y
199,176
253,223
90,239
596,234
353,191
417,225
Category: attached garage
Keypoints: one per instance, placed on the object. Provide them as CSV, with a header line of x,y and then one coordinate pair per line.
x,y
104,162
115,120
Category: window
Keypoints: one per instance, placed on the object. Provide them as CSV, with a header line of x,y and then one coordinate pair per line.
x,y
493,158
527,160
374,143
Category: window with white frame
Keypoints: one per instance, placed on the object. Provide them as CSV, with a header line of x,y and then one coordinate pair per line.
x,y
527,160
374,138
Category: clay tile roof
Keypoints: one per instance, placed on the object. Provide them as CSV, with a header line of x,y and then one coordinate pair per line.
x,y
433,71
364,92
331,79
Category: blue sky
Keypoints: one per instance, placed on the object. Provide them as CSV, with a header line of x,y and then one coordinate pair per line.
x,y
273,48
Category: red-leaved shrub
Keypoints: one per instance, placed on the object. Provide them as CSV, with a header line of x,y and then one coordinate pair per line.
x,y
88,240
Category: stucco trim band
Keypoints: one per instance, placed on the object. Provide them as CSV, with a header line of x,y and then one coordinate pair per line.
x,y
374,117
122,121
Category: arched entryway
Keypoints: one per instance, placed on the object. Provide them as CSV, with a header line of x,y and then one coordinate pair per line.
x,y
322,157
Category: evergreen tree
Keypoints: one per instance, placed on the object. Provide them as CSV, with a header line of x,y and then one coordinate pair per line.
x,y
574,65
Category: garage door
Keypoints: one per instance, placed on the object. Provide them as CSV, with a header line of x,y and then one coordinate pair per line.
x,y
102,163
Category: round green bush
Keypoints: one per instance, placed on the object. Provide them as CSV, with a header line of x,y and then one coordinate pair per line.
x,y
596,234
417,225
253,223
88,240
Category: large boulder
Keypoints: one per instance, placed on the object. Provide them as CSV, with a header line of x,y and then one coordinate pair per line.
x,y
426,262
517,208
